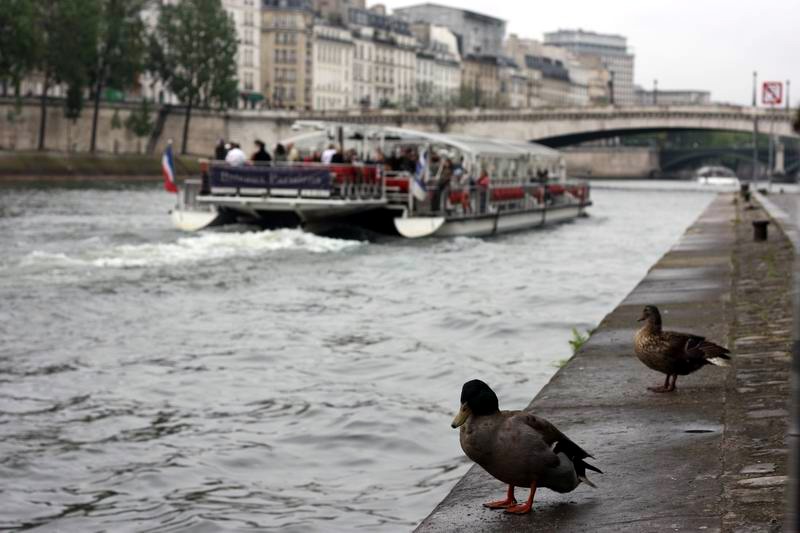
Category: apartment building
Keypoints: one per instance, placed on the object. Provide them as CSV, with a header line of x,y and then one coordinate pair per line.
x,y
438,68
477,34
332,71
246,15
612,50
480,80
384,65
287,53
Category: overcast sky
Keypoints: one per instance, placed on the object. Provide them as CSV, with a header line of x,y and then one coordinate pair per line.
x,y
686,44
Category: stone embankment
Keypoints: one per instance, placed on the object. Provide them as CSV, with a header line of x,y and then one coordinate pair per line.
x,y
710,457
34,165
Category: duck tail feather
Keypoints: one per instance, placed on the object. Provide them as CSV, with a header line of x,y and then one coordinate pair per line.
x,y
591,467
719,361
581,466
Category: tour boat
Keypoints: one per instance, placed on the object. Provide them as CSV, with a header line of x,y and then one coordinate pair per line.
x,y
717,176
398,181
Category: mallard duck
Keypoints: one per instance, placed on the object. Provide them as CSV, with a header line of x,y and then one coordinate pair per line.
x,y
674,354
517,447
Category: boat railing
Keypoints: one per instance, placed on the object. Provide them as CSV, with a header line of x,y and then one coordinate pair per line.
x,y
470,199
306,180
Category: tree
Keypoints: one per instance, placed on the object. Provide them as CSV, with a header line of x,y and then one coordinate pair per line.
x,y
67,30
18,42
119,51
193,51
797,122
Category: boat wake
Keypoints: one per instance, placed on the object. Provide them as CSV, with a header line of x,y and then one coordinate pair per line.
x,y
211,246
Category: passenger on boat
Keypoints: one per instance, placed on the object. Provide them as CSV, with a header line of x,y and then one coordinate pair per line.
x,y
465,184
338,157
379,159
220,151
235,156
483,189
294,153
444,185
410,160
280,153
261,154
327,155
352,157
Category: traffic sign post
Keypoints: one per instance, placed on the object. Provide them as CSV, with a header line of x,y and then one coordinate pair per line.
x,y
772,93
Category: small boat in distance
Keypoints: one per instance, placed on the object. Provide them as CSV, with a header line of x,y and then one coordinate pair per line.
x,y
717,176
393,180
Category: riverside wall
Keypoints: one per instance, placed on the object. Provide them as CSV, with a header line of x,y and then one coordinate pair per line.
x,y
713,456
19,132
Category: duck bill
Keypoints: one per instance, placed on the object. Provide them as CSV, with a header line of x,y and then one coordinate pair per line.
x,y
642,318
462,416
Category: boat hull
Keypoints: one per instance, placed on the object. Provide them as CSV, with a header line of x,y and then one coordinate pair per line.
x,y
486,225
196,220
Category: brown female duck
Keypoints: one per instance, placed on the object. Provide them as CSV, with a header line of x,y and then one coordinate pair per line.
x,y
674,354
517,447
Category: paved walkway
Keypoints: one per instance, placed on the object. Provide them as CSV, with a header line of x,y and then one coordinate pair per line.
x,y
712,456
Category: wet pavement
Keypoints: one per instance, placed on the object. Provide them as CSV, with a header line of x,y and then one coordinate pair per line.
x,y
710,457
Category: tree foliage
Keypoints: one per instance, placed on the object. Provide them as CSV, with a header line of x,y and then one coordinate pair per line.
x,y
19,44
797,122
119,50
140,121
67,31
193,51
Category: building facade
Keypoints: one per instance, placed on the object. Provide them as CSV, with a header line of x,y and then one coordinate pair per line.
x,y
287,53
438,69
385,60
480,81
557,76
477,34
671,97
332,72
612,51
246,15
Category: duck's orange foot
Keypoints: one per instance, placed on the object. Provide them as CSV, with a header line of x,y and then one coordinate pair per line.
x,y
522,508
501,504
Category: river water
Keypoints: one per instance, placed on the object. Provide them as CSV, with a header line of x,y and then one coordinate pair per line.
x,y
154,381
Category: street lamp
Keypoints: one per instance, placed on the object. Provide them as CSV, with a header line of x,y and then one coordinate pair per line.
x,y
754,176
655,92
611,88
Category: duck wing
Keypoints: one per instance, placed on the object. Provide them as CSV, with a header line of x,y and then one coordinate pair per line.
x,y
559,442
694,347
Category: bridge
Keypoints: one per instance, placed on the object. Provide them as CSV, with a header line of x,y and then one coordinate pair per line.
x,y
558,127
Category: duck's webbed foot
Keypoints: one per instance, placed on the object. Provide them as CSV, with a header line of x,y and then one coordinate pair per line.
x,y
510,501
524,507
667,386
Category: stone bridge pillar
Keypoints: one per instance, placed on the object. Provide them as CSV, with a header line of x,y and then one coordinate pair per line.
x,y
780,165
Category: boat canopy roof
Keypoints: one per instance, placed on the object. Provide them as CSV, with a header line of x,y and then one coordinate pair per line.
x,y
475,146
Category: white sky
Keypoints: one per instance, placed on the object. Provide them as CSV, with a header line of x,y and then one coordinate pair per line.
x,y
686,44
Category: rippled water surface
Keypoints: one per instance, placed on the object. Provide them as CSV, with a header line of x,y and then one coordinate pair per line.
x,y
151,380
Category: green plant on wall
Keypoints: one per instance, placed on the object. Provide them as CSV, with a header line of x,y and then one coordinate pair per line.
x,y
578,339
116,122
140,122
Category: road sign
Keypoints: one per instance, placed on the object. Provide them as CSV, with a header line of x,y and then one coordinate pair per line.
x,y
772,93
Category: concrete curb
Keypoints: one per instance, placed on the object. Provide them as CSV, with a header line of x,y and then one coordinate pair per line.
x,y
790,225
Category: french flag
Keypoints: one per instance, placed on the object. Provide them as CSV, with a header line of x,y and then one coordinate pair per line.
x,y
168,170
